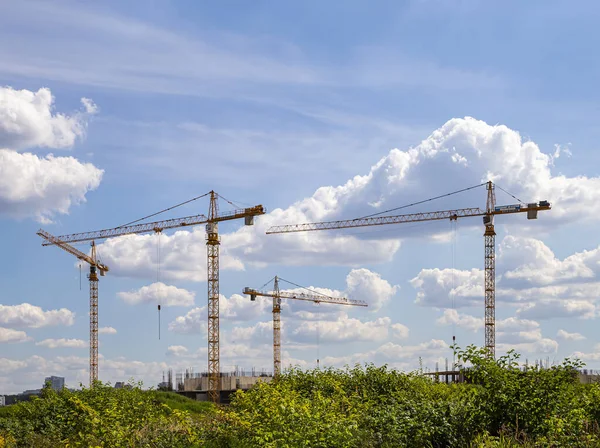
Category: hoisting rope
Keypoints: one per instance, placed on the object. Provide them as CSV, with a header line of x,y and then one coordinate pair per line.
x,y
158,278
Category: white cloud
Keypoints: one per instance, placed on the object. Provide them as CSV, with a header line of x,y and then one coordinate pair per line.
x,y
261,332
344,330
177,350
10,335
399,331
516,324
62,343
40,187
241,308
159,293
541,346
562,334
537,264
529,277
395,355
486,152
444,288
453,317
34,186
27,120
10,365
558,308
368,286
107,330
27,315
194,321
182,255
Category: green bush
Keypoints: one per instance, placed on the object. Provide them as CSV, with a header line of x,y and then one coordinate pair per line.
x,y
500,405
100,416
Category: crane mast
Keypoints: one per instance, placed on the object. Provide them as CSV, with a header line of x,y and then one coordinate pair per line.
x,y
488,215
490,272
95,266
212,252
277,295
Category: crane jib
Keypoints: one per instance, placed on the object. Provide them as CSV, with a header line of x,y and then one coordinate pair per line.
x,y
409,218
159,226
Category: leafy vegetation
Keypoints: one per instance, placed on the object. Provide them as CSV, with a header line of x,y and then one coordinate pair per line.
x,y
500,405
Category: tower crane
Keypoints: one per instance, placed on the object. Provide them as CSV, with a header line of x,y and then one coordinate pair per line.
x,y
95,266
213,242
277,295
488,215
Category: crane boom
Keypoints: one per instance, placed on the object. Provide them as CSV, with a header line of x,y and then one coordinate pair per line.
x,y
412,217
56,241
159,226
308,297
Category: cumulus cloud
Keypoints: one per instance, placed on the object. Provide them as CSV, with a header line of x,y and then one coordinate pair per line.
x,y
557,308
361,284
27,315
27,119
159,293
368,286
344,330
562,334
241,308
10,365
182,255
62,343
177,350
465,151
260,332
40,187
444,288
400,331
453,317
529,277
397,356
34,186
26,373
107,330
538,266
193,322
10,335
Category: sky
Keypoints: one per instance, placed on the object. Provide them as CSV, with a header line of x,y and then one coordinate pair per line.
x,y
111,111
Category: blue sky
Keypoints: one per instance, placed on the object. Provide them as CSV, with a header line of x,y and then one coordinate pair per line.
x,y
284,105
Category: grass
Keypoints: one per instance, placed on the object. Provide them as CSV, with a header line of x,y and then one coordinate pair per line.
x,y
176,401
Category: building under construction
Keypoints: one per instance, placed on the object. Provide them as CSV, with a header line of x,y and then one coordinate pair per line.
x,y
196,385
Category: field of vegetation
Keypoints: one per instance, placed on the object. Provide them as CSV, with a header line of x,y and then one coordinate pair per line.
x,y
364,406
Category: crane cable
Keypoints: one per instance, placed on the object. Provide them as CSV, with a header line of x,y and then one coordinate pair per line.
x,y
158,278
165,210
318,334
423,201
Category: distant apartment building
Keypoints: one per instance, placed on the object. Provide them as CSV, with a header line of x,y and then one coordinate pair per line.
x,y
2,400
56,382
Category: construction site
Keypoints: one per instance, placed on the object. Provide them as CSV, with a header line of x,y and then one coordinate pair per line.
x,y
216,385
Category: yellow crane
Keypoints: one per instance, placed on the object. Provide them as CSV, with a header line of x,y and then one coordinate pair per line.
x,y
488,215
277,295
95,266
212,245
